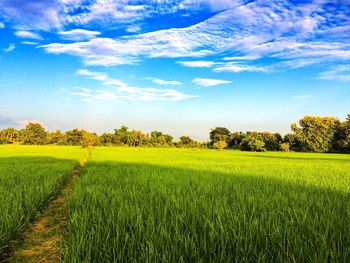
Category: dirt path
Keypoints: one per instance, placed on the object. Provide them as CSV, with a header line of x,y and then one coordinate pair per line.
x,y
43,240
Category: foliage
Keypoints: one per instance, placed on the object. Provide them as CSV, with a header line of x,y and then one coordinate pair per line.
x,y
89,139
236,139
220,145
219,134
34,134
187,142
252,143
314,134
284,147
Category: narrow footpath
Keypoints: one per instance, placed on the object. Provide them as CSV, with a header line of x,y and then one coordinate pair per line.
x,y
44,240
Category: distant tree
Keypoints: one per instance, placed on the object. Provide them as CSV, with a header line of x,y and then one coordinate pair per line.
x,y
252,143
72,137
34,133
271,140
108,139
219,134
158,139
9,136
122,135
220,145
187,142
89,139
54,137
235,140
315,133
138,138
341,138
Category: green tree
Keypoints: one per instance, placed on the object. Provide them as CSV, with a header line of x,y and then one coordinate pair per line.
x,y
89,139
235,139
271,140
72,137
219,134
9,136
341,138
315,133
252,143
108,139
122,135
54,137
34,133
187,142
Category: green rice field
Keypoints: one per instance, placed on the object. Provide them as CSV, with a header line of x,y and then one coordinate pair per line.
x,y
185,205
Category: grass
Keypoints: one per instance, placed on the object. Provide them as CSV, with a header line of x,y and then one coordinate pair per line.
x,y
175,205
29,176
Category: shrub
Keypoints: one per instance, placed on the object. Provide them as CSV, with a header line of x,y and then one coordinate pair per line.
x,y
284,147
220,145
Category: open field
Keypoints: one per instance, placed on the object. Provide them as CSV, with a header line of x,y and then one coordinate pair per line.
x,y
184,205
29,176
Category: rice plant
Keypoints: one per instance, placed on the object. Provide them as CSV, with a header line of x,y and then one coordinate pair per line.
x,y
175,205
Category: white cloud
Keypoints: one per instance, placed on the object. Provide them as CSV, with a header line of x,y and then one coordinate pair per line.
x,y
2,25
303,97
32,43
92,74
32,14
288,33
339,73
28,34
123,92
236,68
133,29
241,58
10,48
240,31
197,64
78,34
166,82
210,82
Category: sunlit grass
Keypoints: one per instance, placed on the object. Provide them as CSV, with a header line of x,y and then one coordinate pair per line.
x,y
28,177
175,205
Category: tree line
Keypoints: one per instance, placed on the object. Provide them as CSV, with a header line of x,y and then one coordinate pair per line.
x,y
312,134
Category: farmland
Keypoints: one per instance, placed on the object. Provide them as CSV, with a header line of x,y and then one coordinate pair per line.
x,y
187,205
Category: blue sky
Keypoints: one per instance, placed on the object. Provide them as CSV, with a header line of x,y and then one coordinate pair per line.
x,y
181,67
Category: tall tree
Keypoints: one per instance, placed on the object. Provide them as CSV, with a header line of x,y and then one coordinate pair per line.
x,y
72,137
9,136
316,133
34,133
219,134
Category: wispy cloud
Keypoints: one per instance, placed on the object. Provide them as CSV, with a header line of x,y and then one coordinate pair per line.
x,y
204,82
288,34
236,68
197,64
10,48
241,32
78,34
165,82
339,73
122,92
28,34
32,43
2,25
133,28
93,75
